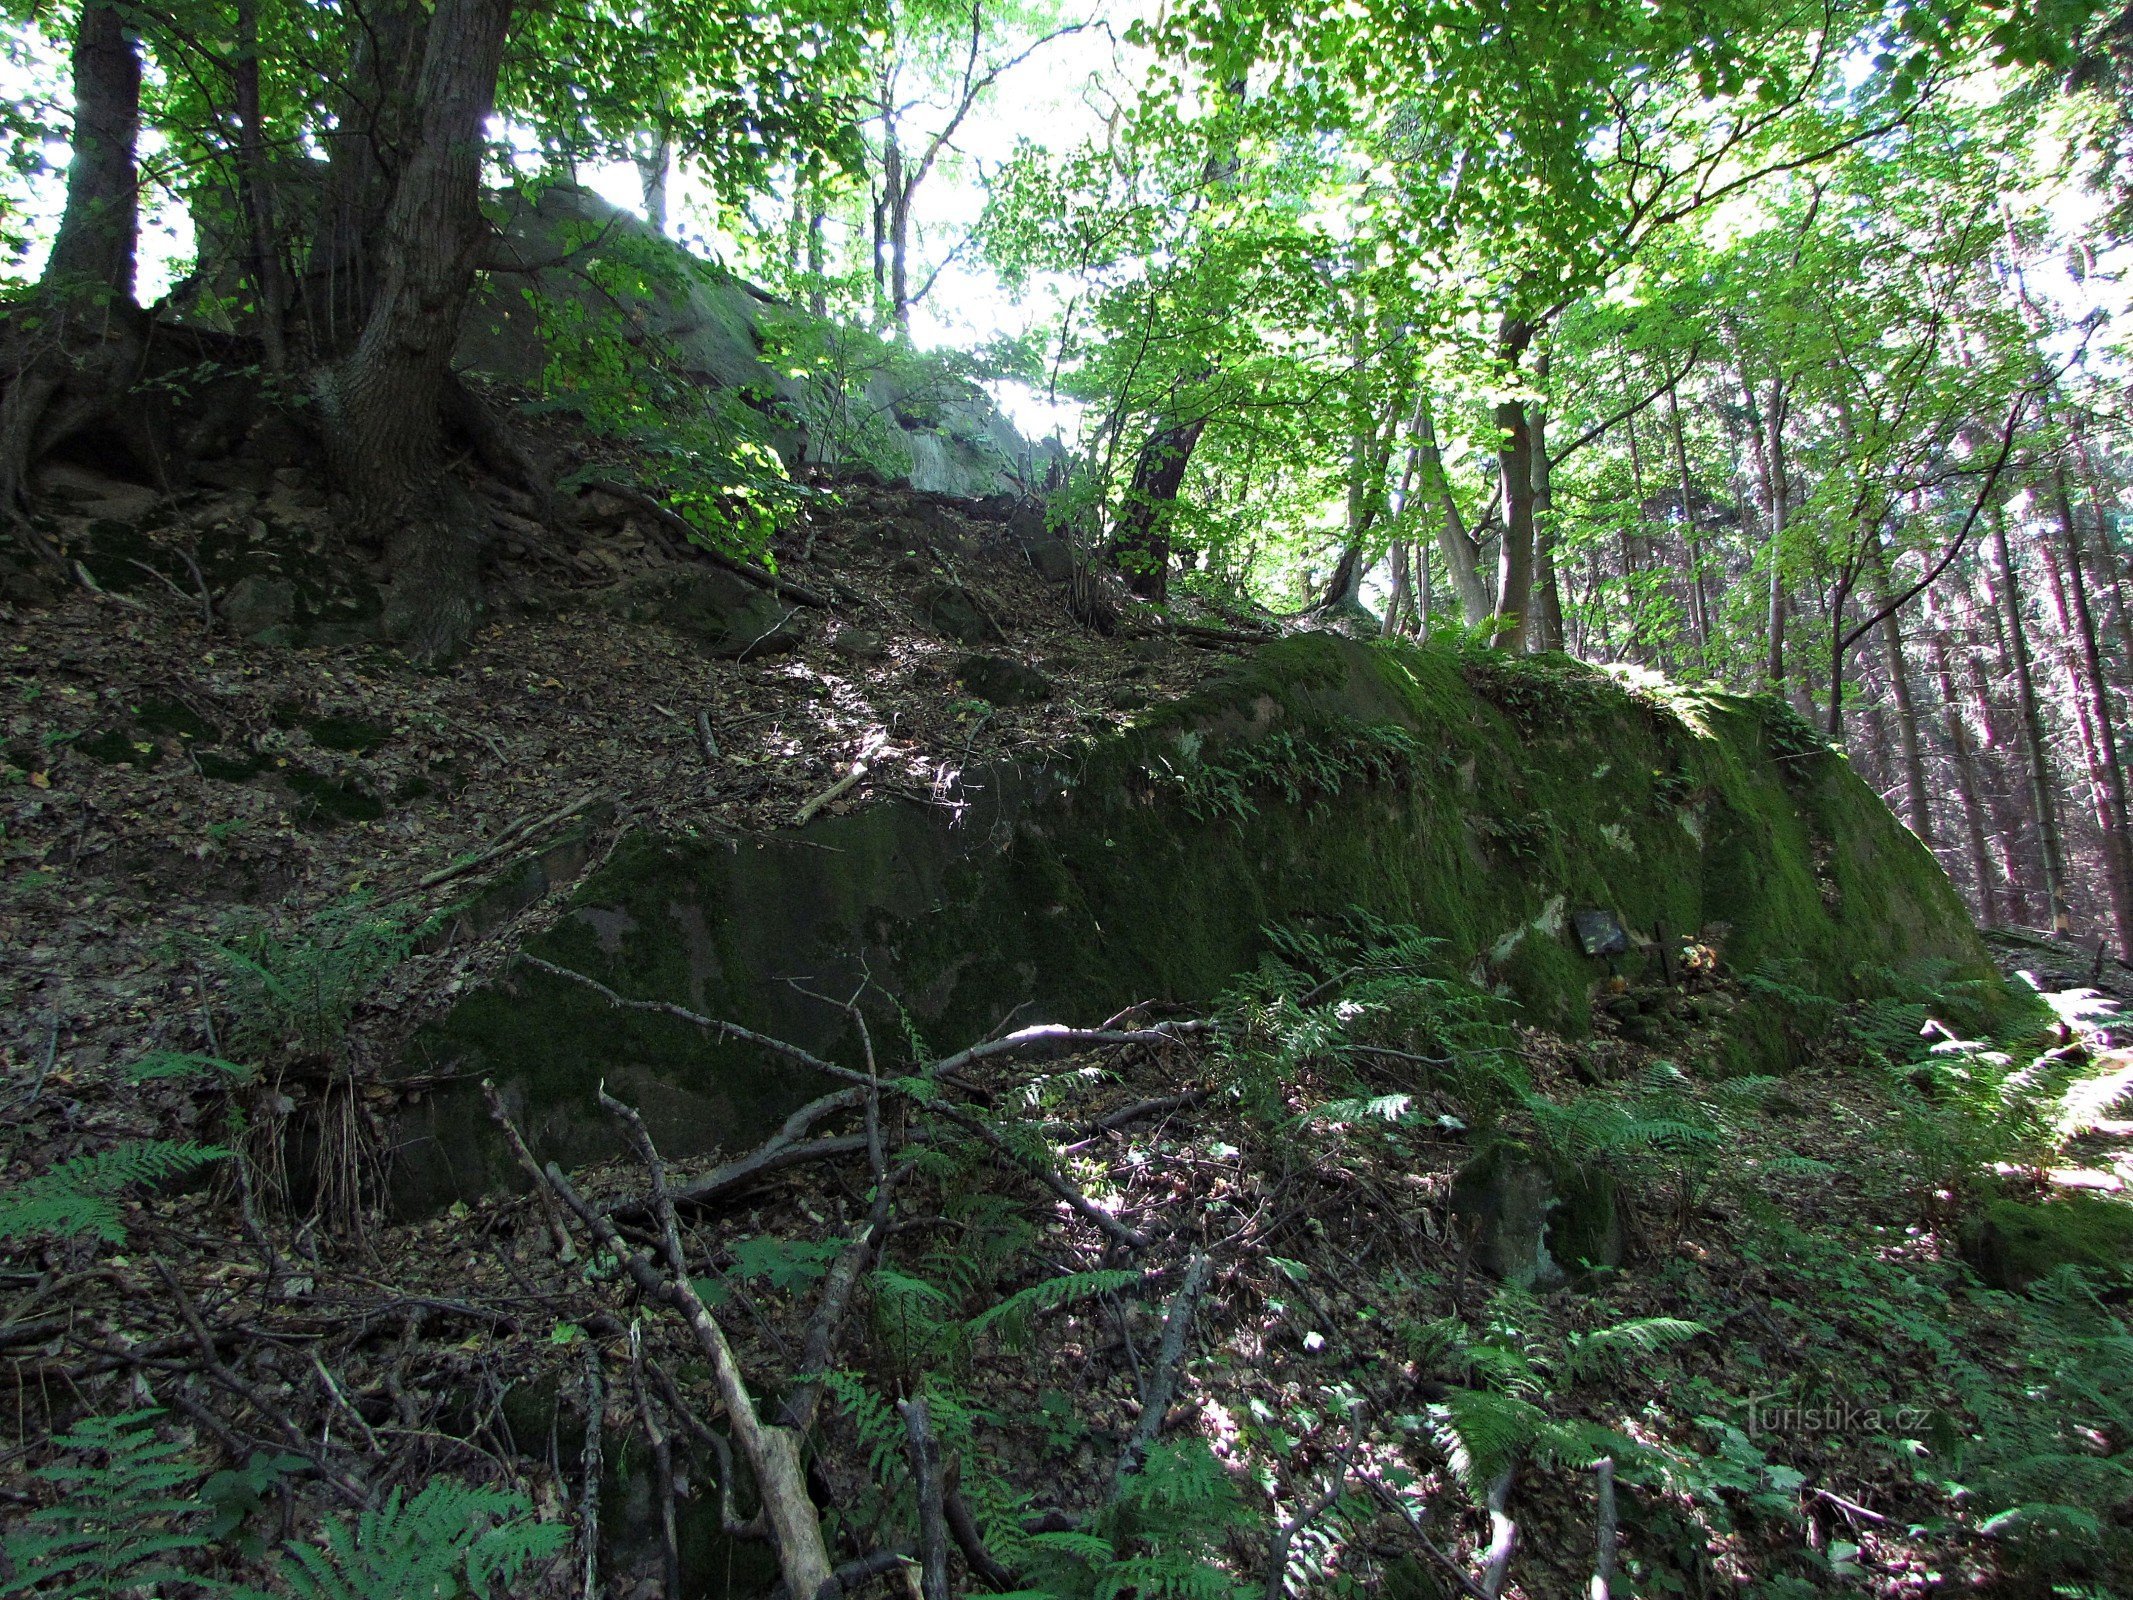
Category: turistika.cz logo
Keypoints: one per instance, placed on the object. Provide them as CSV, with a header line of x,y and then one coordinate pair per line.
x,y
1771,1415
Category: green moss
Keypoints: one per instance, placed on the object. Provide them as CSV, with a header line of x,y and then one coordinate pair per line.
x,y
346,733
325,800
2013,1244
1424,785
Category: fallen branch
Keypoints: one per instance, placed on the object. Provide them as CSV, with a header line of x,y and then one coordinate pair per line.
x,y
1278,1559
565,1249
1603,1565
836,791
513,836
773,1453
1155,1400
589,1494
662,1462
925,1453
1077,1202
1503,1537
1430,1547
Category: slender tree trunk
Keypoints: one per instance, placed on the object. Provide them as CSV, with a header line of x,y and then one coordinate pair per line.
x,y
1548,597
255,195
1967,783
654,155
2082,663
1917,802
384,402
2050,846
1699,612
1462,556
1514,466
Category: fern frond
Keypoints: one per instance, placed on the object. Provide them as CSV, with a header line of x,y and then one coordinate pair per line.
x,y
1484,1432
1610,1349
1010,1318
449,1537
80,1196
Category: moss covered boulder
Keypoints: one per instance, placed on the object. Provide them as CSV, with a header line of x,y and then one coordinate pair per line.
x,y
1486,799
2012,1244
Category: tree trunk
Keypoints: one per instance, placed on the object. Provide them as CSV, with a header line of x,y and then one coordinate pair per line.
x,y
2082,663
2050,846
1548,596
78,350
1967,784
1914,761
1140,539
384,402
896,216
1514,466
255,195
654,155
1699,607
1462,555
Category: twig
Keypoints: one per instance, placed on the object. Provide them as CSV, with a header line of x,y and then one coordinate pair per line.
x,y
1155,1403
589,1494
1603,1565
1851,1508
566,1248
836,791
773,1453
971,1541
925,1453
1278,1559
733,1526
662,1461
1503,1537
509,839
703,734
1430,1547
1077,1202
854,1574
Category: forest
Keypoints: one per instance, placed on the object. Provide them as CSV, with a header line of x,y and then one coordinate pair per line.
x,y
1075,799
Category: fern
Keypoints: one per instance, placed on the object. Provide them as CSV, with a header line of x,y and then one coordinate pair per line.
x,y
293,996
1010,1318
81,1196
451,1539
1483,1433
121,1524
1610,1350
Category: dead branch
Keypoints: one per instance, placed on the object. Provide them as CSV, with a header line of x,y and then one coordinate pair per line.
x,y
925,1453
589,1493
514,835
1155,1400
773,1452
1603,1566
1430,1547
1503,1537
565,1248
1278,1559
836,791
1080,1204
662,1461
970,1539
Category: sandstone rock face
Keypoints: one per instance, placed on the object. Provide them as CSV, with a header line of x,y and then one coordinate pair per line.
x,y
1480,799
945,434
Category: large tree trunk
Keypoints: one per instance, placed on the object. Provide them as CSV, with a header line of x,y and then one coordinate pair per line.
x,y
2042,796
78,348
255,195
1547,630
1916,798
1699,606
375,118
384,402
654,157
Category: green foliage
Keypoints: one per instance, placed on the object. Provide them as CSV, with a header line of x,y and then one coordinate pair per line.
x,y
126,1519
1308,770
292,995
1160,1537
81,1196
450,1539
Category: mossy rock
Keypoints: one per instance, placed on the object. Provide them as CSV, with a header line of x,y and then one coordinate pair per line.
x,y
2012,1243
1533,1224
1320,775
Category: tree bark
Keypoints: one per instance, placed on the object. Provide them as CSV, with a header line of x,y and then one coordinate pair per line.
x,y
255,195
654,155
79,349
1699,606
384,401
1462,555
1967,785
2050,845
1514,466
1547,633
2082,663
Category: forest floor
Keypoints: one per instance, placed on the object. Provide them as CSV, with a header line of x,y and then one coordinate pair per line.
x,y
1793,1352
